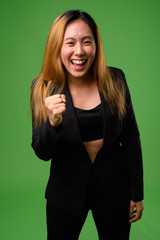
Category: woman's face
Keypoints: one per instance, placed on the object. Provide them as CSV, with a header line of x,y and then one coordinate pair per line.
x,y
78,49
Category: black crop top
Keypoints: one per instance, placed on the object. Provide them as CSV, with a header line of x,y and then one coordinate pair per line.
x,y
90,123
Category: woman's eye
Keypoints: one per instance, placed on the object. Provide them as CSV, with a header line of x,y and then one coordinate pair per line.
x,y
70,43
87,42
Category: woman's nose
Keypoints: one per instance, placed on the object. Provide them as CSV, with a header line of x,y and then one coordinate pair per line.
x,y
79,49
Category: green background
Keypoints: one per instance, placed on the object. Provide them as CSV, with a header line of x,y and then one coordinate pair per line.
x,y
131,38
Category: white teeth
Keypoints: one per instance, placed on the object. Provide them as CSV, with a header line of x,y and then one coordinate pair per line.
x,y
78,61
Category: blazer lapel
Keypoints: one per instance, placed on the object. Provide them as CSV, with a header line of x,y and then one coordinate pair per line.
x,y
69,122
108,122
70,126
112,124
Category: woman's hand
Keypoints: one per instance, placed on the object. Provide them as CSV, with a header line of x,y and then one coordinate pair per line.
x,y
136,209
56,106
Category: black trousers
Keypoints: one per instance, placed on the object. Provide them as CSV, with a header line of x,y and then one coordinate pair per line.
x,y
112,223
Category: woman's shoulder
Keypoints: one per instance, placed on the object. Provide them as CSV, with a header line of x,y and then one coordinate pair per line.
x,y
117,73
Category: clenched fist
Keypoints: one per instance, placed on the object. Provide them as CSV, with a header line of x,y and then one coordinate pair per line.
x,y
56,106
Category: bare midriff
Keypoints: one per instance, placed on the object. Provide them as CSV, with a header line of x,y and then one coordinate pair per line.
x,y
93,148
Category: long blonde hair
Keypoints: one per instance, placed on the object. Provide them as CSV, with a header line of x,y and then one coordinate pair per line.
x,y
53,77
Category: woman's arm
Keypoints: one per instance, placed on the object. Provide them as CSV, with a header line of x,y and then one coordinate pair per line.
x,y
132,149
44,138
133,154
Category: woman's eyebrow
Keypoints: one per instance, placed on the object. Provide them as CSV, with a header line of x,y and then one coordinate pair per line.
x,y
71,38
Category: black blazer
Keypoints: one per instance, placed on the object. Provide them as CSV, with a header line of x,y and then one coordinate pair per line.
x,y
118,163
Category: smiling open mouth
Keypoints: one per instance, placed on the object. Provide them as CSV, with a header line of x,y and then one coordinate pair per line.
x,y
78,63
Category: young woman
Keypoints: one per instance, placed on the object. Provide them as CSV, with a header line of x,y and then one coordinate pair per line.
x,y
83,120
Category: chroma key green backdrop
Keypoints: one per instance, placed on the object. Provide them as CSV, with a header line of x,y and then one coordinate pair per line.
x,y
131,39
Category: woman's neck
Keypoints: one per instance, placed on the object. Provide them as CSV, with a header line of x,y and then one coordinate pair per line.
x,y
81,82
84,92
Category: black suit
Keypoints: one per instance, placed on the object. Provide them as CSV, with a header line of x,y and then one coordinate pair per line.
x,y
118,164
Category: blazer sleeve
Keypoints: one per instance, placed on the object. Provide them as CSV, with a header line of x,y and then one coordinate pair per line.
x,y
131,146
44,138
